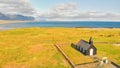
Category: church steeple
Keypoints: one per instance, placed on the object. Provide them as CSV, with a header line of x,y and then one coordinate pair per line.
x,y
90,41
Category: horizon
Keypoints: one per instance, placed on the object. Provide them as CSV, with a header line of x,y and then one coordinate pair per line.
x,y
64,10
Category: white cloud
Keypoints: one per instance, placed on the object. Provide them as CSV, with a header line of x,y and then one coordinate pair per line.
x,y
70,11
16,7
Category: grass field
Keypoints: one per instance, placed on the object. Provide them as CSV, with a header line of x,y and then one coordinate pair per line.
x,y
75,56
34,47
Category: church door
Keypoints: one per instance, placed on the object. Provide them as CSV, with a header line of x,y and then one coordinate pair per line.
x,y
91,52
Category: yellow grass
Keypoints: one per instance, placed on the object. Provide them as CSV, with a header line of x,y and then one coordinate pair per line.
x,y
34,47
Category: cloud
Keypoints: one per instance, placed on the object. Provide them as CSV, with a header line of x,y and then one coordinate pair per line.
x,y
16,7
70,11
65,7
61,11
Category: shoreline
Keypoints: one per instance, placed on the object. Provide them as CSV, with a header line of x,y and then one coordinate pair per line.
x,y
14,21
94,28
85,28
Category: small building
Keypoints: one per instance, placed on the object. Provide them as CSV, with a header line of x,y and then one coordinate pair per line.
x,y
87,48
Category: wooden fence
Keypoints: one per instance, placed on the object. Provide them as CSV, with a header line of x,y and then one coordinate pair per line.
x,y
61,51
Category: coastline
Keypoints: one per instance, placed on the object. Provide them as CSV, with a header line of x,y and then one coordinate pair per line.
x,y
14,21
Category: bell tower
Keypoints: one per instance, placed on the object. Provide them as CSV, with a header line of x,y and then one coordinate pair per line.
x,y
90,41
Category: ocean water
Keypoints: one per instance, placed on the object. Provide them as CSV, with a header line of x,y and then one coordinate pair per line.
x,y
72,24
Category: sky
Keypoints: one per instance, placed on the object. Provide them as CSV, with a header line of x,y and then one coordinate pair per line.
x,y
64,10
97,5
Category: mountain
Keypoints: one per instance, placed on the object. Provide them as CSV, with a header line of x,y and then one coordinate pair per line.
x,y
3,17
15,17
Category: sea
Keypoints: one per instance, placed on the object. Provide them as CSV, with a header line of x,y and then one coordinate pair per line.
x,y
69,24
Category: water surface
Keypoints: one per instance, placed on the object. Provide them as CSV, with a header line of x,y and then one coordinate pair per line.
x,y
92,24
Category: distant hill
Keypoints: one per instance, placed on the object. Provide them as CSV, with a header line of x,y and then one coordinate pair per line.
x,y
4,17
15,17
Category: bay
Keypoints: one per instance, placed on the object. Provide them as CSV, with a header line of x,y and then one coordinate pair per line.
x,y
70,24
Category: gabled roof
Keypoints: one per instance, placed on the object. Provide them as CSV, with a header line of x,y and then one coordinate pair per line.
x,y
84,44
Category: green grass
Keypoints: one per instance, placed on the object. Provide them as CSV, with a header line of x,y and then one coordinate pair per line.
x,y
34,47
109,50
75,56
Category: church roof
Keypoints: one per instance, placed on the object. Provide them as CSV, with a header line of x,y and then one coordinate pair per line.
x,y
84,44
